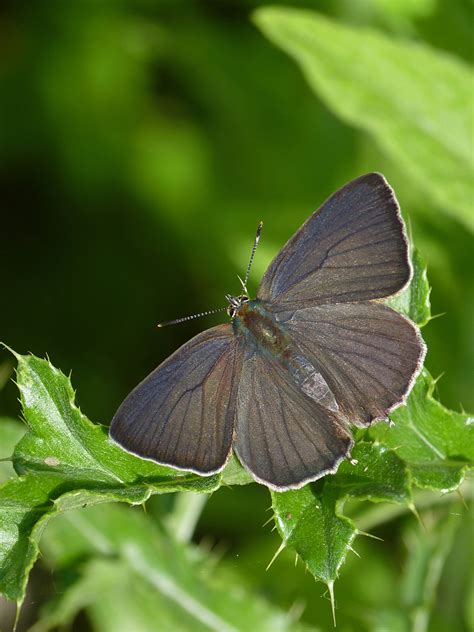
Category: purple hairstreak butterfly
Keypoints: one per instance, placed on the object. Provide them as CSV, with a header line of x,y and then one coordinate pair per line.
x,y
314,353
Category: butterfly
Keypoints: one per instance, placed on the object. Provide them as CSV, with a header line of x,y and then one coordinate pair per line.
x,y
314,353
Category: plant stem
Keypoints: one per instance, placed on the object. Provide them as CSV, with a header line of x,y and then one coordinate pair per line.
x,y
183,519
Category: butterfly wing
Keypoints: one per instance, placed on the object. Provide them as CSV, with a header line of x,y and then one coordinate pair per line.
x,y
284,437
353,248
182,414
368,354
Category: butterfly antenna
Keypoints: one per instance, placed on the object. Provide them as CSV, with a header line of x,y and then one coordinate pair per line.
x,y
185,318
244,288
252,255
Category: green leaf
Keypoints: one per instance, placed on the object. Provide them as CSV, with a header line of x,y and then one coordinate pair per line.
x,y
235,474
95,576
23,507
310,519
415,101
66,462
147,577
414,300
308,522
375,473
437,444
427,553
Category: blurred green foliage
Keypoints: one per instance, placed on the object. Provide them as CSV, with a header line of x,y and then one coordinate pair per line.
x,y
140,144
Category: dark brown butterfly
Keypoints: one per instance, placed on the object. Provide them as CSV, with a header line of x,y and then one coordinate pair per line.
x,y
315,352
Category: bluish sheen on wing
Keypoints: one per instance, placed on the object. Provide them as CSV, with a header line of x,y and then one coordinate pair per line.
x,y
367,353
283,436
352,248
182,414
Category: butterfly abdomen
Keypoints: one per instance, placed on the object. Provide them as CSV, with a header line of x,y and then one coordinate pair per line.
x,y
259,326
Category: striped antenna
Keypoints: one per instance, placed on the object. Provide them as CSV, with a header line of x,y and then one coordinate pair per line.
x,y
185,318
221,309
252,255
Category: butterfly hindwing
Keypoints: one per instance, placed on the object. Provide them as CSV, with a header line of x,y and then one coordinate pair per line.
x,y
283,437
368,354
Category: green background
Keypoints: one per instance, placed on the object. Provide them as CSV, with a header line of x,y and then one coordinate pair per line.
x,y
140,144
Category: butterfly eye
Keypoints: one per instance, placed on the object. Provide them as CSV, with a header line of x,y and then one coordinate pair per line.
x,y
235,303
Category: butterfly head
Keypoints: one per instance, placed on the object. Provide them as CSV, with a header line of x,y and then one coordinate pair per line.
x,y
235,303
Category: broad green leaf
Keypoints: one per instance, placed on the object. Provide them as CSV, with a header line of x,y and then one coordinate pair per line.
x,y
24,505
415,101
437,444
376,473
308,522
310,519
156,579
66,462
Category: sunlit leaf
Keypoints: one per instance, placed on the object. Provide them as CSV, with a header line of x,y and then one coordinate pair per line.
x,y
416,102
437,444
310,520
309,524
66,462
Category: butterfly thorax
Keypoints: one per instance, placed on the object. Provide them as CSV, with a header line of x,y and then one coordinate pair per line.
x,y
254,322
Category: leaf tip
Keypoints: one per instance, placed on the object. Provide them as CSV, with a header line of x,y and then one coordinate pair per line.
x,y
14,353
330,586
260,16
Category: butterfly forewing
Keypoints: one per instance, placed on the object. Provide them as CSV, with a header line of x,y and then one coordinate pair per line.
x,y
353,248
284,437
182,414
368,354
